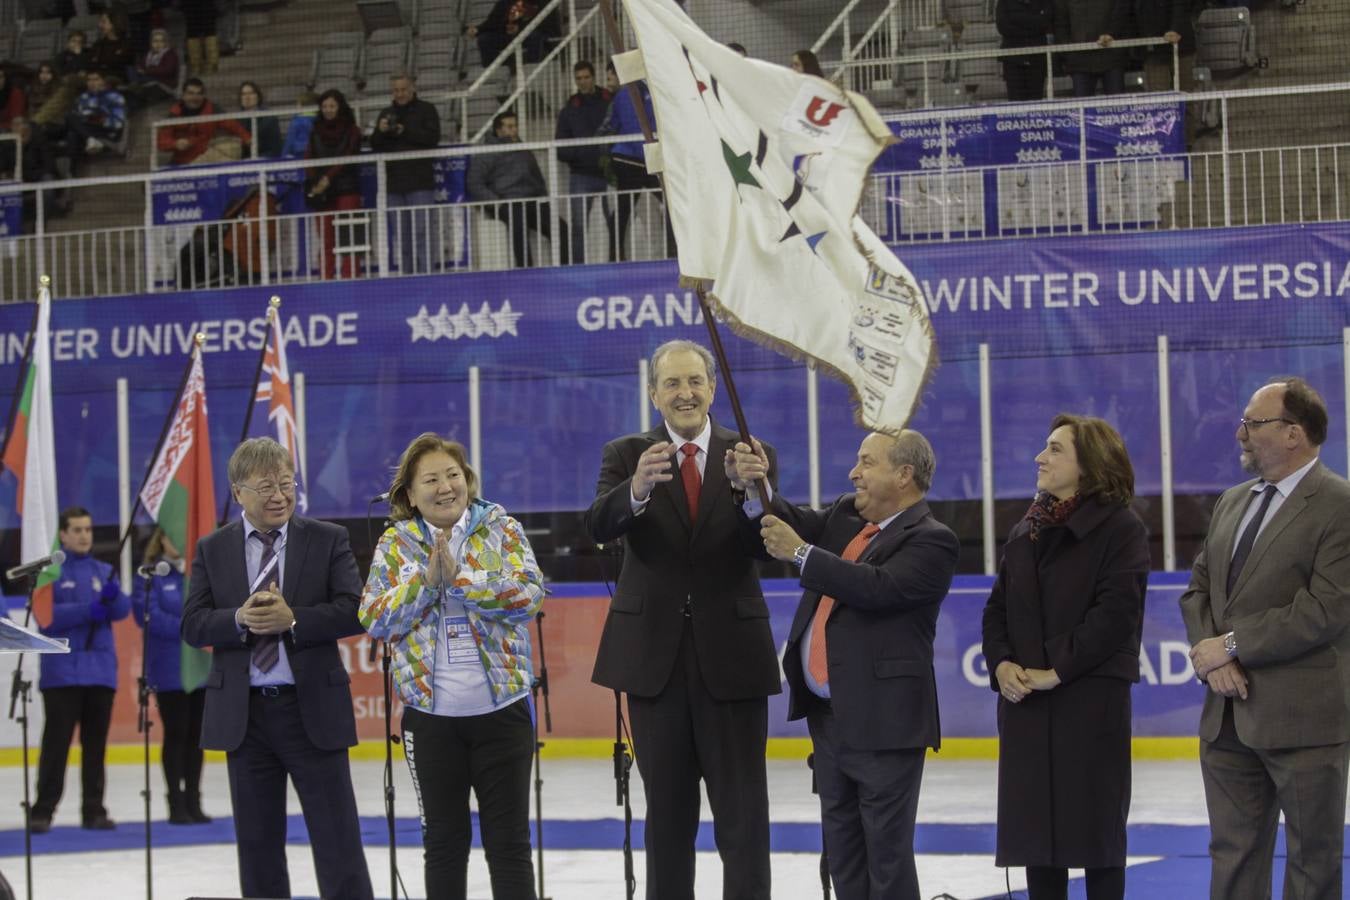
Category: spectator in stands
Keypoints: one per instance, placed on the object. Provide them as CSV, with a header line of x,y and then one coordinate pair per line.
x,y
1169,19
513,175
611,80
334,188
44,92
200,142
627,162
805,61
76,59
409,123
301,124
39,164
98,118
112,53
13,101
581,117
1100,22
267,128
1025,23
203,47
507,19
156,74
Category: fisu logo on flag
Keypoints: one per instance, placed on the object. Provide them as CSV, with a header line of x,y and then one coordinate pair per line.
x,y
816,117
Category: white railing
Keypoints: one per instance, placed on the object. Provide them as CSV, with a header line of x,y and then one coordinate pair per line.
x,y
1226,187
882,36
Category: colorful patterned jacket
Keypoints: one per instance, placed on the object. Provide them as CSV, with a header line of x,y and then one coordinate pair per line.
x,y
499,583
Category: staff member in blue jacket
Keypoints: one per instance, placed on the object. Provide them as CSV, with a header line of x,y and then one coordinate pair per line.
x,y
180,711
77,687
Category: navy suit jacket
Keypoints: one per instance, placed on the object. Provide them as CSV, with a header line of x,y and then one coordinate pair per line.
x,y
323,589
880,633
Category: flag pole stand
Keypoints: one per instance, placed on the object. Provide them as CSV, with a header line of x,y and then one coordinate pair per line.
x,y
623,766
390,739
143,726
540,689
20,695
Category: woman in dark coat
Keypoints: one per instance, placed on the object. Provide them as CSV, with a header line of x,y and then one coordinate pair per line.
x,y
1061,639
334,188
1102,22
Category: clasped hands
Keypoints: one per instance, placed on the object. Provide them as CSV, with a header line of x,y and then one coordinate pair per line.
x,y
1224,675
1015,683
265,612
441,565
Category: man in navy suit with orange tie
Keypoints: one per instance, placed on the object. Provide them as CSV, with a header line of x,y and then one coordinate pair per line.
x,y
875,567
271,593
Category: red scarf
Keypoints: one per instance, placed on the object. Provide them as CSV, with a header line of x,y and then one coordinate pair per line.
x,y
1046,511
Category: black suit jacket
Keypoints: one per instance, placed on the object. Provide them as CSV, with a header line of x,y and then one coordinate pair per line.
x,y
323,589
667,562
880,633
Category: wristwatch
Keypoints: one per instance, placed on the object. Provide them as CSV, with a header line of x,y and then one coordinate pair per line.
x,y
1230,645
799,555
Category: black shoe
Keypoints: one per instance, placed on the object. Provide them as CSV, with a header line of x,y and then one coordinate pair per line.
x,y
100,822
197,817
40,823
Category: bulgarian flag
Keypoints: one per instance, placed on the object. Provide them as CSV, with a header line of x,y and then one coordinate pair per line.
x,y
179,493
30,453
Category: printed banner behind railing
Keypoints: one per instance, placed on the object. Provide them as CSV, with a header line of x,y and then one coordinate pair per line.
x,y
11,211
1166,700
1072,324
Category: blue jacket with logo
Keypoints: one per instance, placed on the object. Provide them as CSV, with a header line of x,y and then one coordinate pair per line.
x,y
164,651
92,660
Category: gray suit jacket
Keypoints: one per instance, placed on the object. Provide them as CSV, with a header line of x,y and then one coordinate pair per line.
x,y
1288,611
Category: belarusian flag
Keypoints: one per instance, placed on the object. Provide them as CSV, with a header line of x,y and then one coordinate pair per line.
x,y
180,495
30,453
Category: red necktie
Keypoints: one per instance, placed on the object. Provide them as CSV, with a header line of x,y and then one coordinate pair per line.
x,y
693,482
817,662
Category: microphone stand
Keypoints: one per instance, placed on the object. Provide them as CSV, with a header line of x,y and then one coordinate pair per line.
x,y
143,726
539,687
390,739
20,693
824,853
623,764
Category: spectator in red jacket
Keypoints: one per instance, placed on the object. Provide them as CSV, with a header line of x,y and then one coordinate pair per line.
x,y
13,101
200,142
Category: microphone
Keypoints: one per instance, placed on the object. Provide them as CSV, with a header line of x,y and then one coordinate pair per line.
x,y
380,498
29,569
159,569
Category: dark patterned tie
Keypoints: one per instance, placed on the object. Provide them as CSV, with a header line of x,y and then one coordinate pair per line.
x,y
267,647
1244,547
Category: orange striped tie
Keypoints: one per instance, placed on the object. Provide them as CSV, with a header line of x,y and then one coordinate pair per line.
x,y
817,662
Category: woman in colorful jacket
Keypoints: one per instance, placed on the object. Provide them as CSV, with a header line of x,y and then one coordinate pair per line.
x,y
452,588
180,710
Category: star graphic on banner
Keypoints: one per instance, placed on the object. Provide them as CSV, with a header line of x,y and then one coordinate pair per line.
x,y
506,319
739,166
445,324
483,319
422,326
465,322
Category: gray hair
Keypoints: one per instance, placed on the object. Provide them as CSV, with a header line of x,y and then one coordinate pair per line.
x,y
259,456
912,449
676,346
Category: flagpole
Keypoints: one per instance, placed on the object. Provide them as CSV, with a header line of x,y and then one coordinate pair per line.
x,y
45,281
273,310
163,433
649,134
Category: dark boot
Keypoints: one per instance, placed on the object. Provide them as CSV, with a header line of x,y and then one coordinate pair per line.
x,y
194,809
178,810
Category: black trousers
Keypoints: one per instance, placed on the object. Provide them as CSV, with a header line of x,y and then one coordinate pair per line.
x,y
490,754
64,708
684,734
869,800
534,215
631,175
180,714
1025,77
276,747
1050,883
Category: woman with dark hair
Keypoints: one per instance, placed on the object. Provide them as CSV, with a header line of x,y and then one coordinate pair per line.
x,y
805,61
112,53
331,189
180,702
1061,642
453,586
267,130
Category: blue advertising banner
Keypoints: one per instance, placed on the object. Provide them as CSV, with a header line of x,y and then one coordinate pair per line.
x,y
1072,325
1009,135
11,214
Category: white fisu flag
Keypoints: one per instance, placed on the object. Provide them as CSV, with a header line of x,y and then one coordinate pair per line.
x,y
764,172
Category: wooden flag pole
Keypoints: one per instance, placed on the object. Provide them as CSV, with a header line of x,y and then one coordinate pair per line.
x,y
273,311
649,134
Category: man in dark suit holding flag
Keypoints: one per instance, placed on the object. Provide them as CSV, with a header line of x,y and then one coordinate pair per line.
x,y
875,567
687,636
271,593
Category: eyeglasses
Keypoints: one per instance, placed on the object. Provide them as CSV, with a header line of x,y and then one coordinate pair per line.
x,y
1245,424
268,491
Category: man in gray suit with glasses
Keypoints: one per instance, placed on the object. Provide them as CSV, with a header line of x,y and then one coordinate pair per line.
x,y
1266,614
